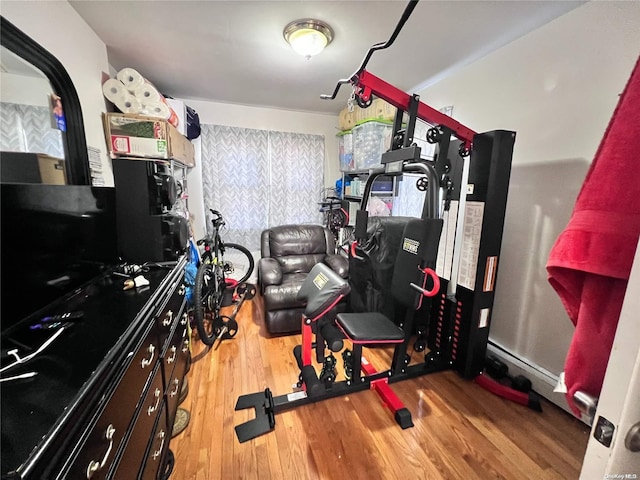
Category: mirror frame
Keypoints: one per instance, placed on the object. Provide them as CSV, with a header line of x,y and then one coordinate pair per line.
x,y
74,140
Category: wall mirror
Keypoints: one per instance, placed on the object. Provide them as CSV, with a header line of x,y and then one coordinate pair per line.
x,y
40,114
68,229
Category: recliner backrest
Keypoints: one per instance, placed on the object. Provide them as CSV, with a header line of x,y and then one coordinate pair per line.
x,y
297,248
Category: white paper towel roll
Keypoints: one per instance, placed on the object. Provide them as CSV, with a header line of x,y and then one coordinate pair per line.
x,y
116,93
129,104
130,78
151,101
154,101
157,109
147,93
114,89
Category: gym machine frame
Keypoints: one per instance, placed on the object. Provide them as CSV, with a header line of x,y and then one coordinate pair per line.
x,y
460,315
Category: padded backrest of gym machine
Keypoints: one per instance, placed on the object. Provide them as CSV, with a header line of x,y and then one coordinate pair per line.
x,y
321,290
418,248
370,276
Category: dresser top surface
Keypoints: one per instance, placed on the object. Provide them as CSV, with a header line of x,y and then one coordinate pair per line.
x,y
71,368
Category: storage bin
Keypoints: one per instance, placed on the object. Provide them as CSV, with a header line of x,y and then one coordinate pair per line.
x,y
346,119
345,145
370,141
379,110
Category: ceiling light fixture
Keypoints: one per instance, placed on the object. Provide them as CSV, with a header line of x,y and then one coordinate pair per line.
x,y
308,37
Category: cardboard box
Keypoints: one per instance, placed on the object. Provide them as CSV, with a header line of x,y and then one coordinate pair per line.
x,y
130,135
24,167
51,170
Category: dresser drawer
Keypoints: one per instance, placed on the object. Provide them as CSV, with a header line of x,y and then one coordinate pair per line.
x,y
135,449
171,311
96,455
177,348
158,446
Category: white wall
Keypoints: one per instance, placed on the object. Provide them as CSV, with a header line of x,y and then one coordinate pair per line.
x,y
213,113
59,29
557,88
24,90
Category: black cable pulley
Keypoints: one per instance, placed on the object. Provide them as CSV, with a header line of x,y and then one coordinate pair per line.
x,y
398,139
434,135
364,104
464,150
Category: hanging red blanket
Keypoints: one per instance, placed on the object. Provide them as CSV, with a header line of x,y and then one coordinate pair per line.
x,y
589,264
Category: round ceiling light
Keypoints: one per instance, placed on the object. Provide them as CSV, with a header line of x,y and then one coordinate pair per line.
x,y
308,37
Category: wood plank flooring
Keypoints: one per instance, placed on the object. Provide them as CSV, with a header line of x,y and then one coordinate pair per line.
x,y
461,431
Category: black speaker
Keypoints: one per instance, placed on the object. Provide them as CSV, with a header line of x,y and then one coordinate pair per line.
x,y
147,231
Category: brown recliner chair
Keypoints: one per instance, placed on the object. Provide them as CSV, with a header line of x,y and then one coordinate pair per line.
x,y
288,254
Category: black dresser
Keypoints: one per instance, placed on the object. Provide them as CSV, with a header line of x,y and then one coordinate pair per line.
x,y
105,393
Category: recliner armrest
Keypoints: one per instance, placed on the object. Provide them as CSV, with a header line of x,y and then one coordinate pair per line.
x,y
338,264
269,272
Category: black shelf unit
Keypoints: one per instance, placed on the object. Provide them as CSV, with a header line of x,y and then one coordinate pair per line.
x,y
388,182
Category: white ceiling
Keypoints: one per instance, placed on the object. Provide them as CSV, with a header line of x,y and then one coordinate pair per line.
x,y
234,51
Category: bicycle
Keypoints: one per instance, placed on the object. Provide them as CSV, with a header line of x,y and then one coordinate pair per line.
x,y
336,218
219,284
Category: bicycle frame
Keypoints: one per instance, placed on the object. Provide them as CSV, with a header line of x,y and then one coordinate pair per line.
x,y
214,251
215,288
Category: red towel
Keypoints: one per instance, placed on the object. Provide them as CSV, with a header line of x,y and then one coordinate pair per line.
x,y
589,264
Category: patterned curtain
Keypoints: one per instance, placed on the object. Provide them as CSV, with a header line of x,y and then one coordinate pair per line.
x,y
28,128
258,179
235,164
297,177
410,200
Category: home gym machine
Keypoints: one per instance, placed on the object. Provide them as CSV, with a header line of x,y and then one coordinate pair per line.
x,y
465,187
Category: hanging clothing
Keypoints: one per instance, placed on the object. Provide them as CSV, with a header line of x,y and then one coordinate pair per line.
x,y
589,264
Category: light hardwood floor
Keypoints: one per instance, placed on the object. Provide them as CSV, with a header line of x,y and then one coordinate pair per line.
x,y
461,431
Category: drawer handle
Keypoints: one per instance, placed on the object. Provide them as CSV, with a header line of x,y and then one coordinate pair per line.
x,y
182,290
172,358
150,410
174,392
168,319
157,453
185,348
185,317
152,351
94,465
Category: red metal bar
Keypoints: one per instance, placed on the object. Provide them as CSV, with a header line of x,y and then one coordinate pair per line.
x,y
399,99
307,339
381,386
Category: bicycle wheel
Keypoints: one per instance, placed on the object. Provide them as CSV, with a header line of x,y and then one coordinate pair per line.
x,y
238,262
207,296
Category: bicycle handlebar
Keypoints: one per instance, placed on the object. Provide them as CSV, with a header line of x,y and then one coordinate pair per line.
x,y
217,218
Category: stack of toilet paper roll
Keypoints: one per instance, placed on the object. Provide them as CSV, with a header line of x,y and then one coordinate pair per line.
x,y
132,93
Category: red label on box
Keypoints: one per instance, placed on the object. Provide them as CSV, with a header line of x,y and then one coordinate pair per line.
x,y
120,144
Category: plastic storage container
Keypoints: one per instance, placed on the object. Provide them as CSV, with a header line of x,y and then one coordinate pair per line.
x,y
345,145
370,141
